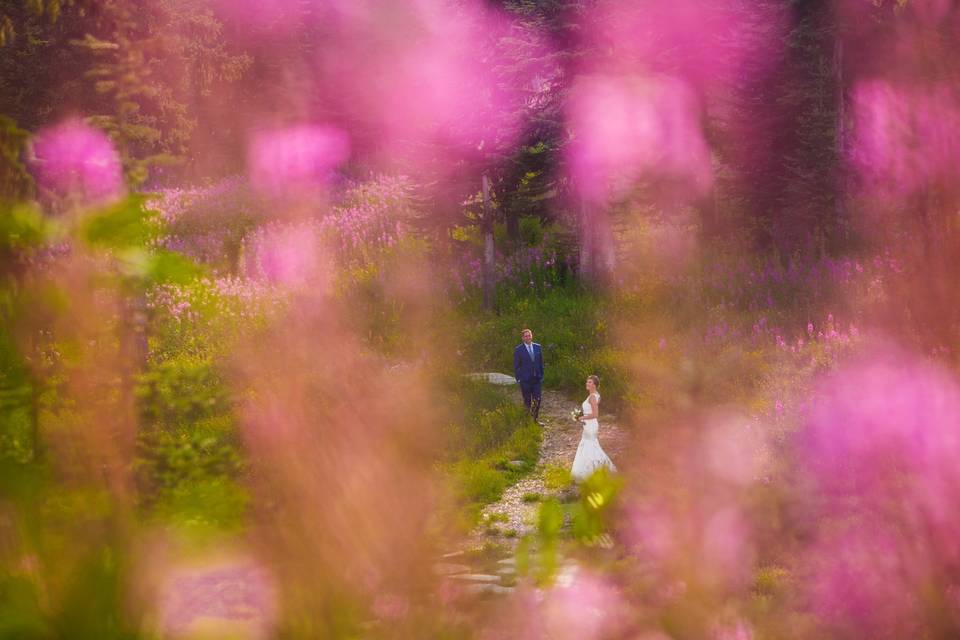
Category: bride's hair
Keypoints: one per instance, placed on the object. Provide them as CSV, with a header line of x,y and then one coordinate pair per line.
x,y
596,380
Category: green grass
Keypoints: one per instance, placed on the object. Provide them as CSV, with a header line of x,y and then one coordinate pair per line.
x,y
489,432
557,476
572,326
480,481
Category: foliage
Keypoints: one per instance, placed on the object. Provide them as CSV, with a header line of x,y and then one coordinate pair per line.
x,y
491,433
726,339
479,481
369,290
592,517
531,230
210,224
188,475
188,458
370,217
133,71
15,183
203,317
22,233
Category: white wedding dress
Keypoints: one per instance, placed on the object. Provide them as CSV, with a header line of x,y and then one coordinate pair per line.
x,y
590,456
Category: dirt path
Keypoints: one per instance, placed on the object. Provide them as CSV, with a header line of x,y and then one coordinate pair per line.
x,y
511,517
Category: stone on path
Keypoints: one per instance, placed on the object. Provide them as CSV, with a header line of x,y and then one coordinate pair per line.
x,y
493,378
477,577
448,568
489,588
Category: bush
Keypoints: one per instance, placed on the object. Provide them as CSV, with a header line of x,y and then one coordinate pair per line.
x,y
493,428
203,317
213,504
369,291
188,475
478,483
531,231
181,391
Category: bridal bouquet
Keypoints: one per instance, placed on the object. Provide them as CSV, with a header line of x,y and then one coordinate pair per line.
x,y
577,413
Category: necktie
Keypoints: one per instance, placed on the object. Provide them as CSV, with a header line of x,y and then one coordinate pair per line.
x,y
530,350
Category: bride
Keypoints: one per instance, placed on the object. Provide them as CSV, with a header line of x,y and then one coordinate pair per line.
x,y
590,456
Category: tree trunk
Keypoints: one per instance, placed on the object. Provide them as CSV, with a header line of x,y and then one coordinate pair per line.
x,y
840,222
598,246
488,248
709,216
513,223
587,247
605,247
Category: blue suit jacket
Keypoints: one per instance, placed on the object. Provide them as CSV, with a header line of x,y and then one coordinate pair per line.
x,y
525,369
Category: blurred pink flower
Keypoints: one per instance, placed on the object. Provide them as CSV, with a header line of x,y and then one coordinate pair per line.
x,y
627,127
880,447
237,594
906,137
288,255
74,159
737,631
727,546
296,160
653,533
587,609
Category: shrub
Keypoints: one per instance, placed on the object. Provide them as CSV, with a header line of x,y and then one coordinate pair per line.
x,y
172,457
531,231
494,428
205,505
204,316
182,390
478,483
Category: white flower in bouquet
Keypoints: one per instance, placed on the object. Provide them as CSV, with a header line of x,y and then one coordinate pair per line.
x,y
577,413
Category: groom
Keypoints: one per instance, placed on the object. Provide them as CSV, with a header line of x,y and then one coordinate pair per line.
x,y
528,370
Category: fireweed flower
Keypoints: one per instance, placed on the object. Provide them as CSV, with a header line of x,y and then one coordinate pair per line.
x,y
298,159
690,521
880,451
240,592
74,160
589,607
287,254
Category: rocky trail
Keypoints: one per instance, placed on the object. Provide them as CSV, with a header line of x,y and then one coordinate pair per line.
x,y
515,514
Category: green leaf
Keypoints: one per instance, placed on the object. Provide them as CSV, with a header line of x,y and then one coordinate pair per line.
x,y
21,227
171,267
123,225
